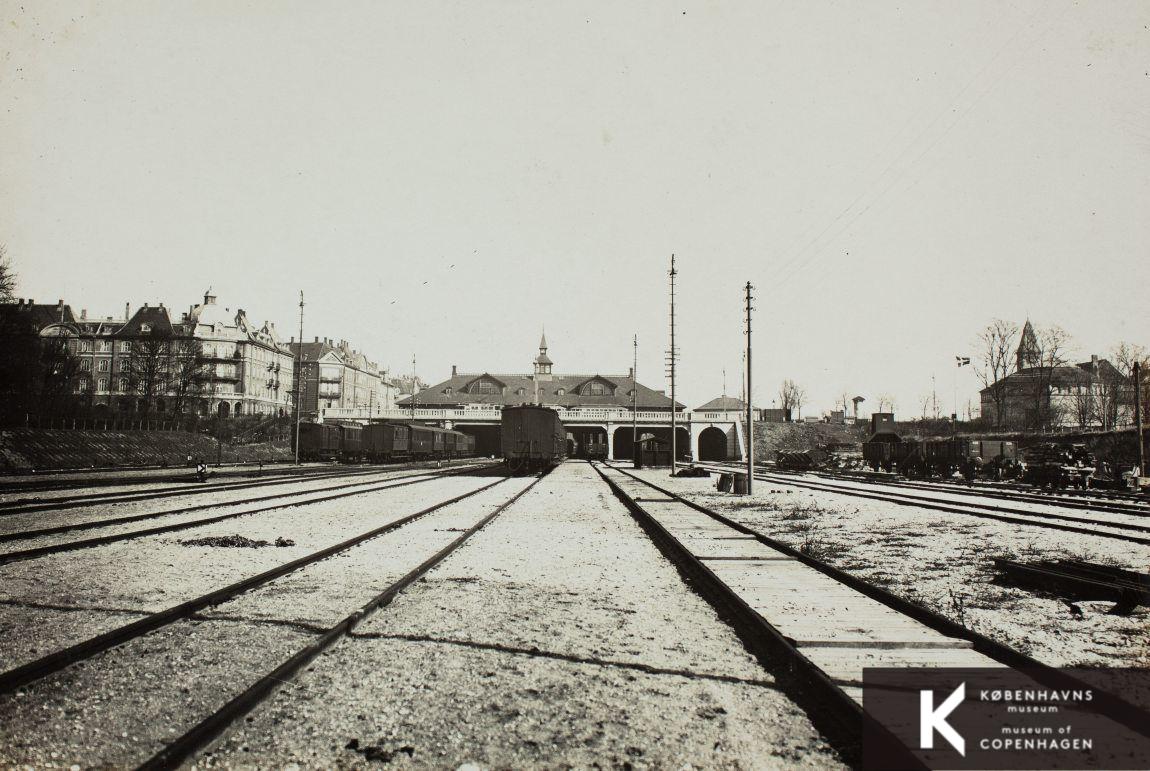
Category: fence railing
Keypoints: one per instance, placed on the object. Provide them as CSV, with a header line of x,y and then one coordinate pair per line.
x,y
566,414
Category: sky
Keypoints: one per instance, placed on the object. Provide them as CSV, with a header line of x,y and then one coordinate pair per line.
x,y
446,179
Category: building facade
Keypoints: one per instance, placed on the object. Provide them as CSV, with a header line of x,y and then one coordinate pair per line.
x,y
339,380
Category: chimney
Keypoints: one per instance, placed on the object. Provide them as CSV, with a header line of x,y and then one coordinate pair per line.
x,y
83,314
127,311
453,370
317,339
60,304
631,372
1094,363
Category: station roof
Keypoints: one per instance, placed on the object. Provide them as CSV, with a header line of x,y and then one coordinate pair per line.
x,y
723,404
504,390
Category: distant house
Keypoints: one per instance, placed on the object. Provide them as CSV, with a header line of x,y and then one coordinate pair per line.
x,y
1090,394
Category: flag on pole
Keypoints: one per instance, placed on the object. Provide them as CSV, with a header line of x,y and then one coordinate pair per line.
x,y
962,361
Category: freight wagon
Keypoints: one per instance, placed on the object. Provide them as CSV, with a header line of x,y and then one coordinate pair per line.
x,y
532,438
381,442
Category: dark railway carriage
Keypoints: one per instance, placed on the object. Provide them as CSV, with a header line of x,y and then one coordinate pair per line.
x,y
386,441
351,443
421,441
319,441
532,438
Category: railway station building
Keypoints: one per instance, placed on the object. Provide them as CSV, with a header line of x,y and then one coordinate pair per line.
x,y
600,410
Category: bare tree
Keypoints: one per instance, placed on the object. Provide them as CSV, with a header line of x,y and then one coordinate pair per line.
x,y
147,370
187,374
792,396
7,277
996,363
1043,411
926,401
885,403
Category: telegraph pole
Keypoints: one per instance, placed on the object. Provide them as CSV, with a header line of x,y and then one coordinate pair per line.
x,y
635,402
1138,419
299,379
671,364
414,387
750,410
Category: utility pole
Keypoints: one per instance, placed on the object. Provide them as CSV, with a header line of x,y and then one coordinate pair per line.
x,y
299,379
1138,419
414,387
635,401
750,410
671,364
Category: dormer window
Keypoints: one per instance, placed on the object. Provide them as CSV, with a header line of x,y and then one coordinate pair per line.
x,y
597,389
145,327
520,391
561,391
486,387
447,391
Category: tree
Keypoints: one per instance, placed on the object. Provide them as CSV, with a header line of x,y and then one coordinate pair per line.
x,y
885,403
996,363
792,397
7,277
1043,411
187,374
1125,355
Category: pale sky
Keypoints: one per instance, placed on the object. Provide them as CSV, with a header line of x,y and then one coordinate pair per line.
x,y
445,178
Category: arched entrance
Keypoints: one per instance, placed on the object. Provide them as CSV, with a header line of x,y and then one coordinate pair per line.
x,y
590,441
487,439
224,410
624,447
713,444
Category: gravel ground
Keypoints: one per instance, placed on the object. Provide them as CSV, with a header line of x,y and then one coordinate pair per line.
x,y
116,709
943,561
558,636
156,572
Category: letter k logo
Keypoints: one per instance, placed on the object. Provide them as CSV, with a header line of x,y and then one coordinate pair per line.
x,y
931,719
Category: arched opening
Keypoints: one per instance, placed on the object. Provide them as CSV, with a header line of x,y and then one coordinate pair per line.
x,y
487,439
624,446
713,444
238,409
590,441
224,410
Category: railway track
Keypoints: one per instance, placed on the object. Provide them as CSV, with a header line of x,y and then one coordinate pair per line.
x,y
1133,530
188,487
815,626
1130,504
175,750
306,497
80,479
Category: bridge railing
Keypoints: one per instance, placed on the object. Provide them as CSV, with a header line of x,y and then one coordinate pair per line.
x,y
566,414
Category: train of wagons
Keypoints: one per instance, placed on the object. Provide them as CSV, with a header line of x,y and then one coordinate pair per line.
x,y
381,442
887,451
532,438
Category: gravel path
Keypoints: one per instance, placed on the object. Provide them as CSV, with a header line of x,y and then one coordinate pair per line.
x,y
156,572
943,561
557,636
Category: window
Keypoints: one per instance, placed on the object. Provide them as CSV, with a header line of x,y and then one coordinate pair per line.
x,y
123,384
521,391
104,346
102,384
82,386
487,387
104,365
86,365
597,389
86,346
447,391
125,346
560,391
145,327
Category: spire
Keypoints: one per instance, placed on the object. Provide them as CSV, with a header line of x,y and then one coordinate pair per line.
x,y
1028,354
543,361
543,342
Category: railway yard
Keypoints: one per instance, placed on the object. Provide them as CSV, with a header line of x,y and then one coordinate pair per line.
x,y
446,614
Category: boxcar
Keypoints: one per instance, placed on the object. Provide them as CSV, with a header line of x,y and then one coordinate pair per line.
x,y
386,441
421,441
532,438
319,441
351,442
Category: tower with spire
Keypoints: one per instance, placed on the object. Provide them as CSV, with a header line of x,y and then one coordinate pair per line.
x,y
543,361
1028,354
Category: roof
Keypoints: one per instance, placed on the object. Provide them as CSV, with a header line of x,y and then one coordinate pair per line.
x,y
723,404
37,316
1065,375
463,389
156,319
